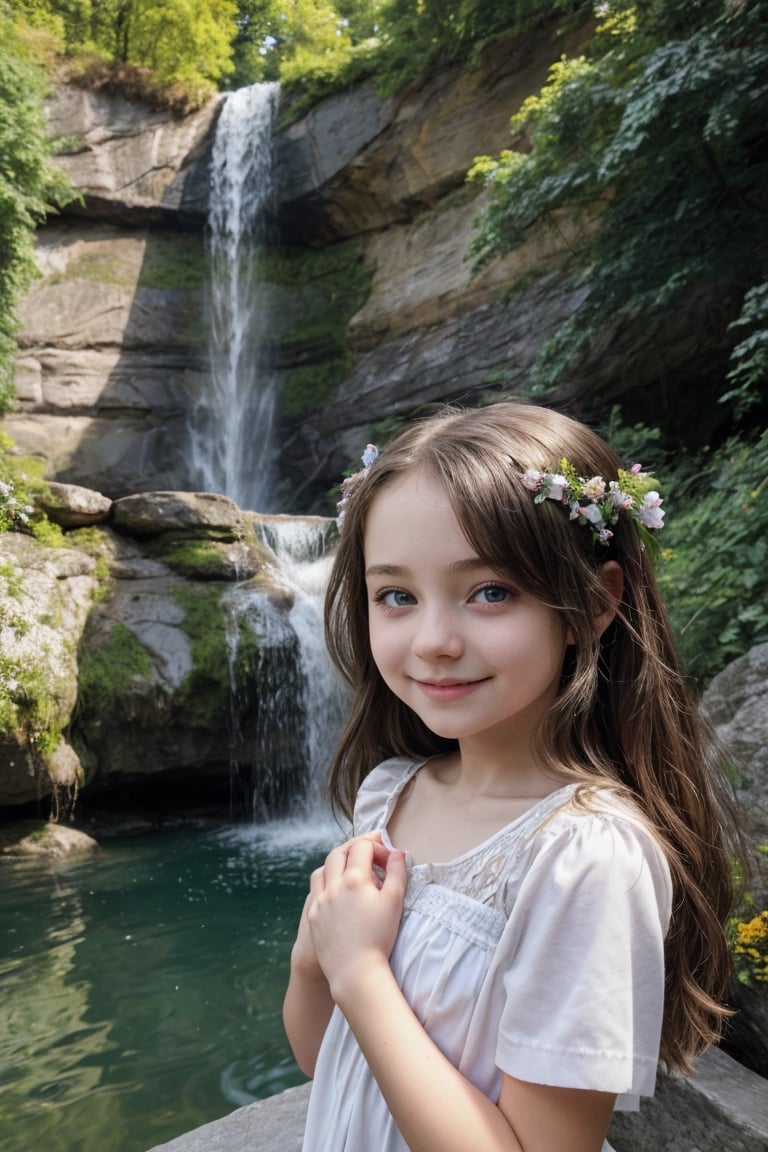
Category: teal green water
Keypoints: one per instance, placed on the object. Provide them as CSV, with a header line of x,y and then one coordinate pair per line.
x,y
141,990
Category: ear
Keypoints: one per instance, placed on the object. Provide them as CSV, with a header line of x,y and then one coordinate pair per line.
x,y
612,579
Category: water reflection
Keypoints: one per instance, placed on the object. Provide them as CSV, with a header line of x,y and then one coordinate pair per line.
x,y
142,989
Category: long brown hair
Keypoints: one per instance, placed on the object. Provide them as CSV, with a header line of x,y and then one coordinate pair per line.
x,y
623,716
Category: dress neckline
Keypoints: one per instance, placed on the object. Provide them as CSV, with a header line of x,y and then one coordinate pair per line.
x,y
539,808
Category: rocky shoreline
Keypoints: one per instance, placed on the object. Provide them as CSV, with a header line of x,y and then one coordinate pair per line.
x,y
721,1108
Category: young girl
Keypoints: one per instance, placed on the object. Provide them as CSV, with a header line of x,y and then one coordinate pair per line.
x,y
530,911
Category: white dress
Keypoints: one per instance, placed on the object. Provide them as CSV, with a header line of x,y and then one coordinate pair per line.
x,y
538,953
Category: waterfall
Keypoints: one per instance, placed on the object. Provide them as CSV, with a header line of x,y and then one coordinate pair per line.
x,y
302,701
231,425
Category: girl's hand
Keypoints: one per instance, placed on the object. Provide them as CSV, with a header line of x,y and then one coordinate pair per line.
x,y
303,954
354,907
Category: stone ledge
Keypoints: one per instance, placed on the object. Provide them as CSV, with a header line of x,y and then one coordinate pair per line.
x,y
272,1125
722,1108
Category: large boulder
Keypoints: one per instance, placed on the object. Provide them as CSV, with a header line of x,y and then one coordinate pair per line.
x,y
72,506
736,702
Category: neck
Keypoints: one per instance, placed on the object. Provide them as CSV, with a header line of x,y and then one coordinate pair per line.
x,y
481,768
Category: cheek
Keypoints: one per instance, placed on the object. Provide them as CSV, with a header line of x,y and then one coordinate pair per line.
x,y
376,641
385,644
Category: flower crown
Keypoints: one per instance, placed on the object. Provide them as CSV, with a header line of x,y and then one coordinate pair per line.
x,y
349,484
597,504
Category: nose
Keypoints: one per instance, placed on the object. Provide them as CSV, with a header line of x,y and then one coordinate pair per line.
x,y
437,636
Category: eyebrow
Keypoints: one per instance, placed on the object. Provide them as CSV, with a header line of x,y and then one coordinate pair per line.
x,y
471,564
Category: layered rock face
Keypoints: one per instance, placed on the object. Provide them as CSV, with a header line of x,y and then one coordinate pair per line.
x,y
113,352
114,341
374,310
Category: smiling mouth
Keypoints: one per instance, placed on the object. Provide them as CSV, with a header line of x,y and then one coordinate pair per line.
x,y
447,689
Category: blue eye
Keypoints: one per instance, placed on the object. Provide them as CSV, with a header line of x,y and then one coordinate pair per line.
x,y
395,598
492,594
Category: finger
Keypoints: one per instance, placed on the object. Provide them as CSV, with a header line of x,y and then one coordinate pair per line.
x,y
376,837
381,854
396,876
335,863
316,883
361,854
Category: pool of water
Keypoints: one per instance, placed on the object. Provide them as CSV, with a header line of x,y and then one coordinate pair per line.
x,y
141,989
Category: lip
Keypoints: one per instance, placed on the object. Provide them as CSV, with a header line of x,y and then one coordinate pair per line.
x,y
447,690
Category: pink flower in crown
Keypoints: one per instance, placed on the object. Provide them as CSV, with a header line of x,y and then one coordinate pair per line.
x,y
650,513
620,499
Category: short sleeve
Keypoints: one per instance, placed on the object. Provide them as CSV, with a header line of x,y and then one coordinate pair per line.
x,y
582,958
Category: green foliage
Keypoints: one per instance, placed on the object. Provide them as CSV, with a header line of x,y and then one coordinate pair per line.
x,y
660,129
20,478
175,52
749,373
414,36
27,684
29,186
715,571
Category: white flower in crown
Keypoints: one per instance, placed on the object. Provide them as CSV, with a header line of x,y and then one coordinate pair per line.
x,y
590,512
532,479
596,504
650,513
349,484
554,486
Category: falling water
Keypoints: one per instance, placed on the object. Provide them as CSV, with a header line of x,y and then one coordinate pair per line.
x,y
232,450
302,702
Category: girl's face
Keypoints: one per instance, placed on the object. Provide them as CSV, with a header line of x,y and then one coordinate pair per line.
x,y
473,655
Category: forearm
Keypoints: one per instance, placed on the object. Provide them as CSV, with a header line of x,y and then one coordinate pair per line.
x,y
307,1009
433,1104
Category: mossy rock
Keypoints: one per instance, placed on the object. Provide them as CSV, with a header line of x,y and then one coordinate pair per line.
x,y
28,839
109,672
204,694
204,559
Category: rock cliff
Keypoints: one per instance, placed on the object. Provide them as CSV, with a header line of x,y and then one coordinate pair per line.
x,y
374,312
372,195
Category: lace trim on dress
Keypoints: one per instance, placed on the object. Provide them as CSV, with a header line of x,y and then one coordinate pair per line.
x,y
482,873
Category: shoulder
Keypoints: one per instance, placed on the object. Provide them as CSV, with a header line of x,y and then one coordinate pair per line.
x,y
380,786
597,846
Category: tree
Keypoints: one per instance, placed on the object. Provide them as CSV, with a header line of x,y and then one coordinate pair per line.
x,y
185,42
